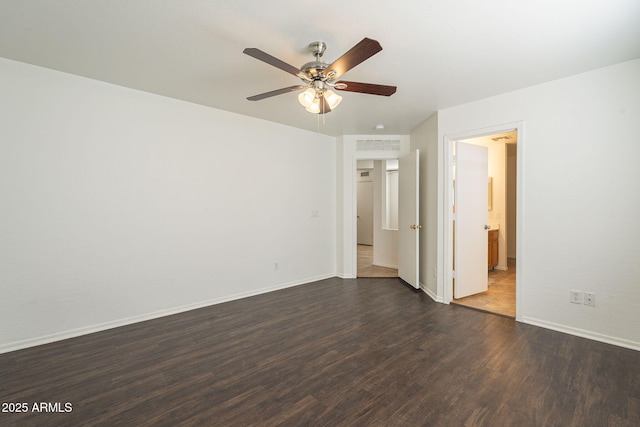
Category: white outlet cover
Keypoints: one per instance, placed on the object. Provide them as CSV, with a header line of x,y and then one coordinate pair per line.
x,y
589,299
575,297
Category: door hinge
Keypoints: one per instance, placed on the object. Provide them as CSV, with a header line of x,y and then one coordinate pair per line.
x,y
453,274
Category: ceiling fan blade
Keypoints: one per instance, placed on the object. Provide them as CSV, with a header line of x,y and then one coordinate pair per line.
x,y
272,60
354,56
275,92
369,88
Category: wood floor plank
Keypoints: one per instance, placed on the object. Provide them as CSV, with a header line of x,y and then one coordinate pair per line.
x,y
334,352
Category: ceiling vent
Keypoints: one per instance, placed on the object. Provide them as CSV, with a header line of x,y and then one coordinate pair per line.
x,y
378,145
501,138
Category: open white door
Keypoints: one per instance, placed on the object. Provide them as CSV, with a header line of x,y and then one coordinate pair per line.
x,y
471,193
408,224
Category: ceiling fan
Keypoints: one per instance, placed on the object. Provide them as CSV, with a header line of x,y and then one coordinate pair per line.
x,y
319,77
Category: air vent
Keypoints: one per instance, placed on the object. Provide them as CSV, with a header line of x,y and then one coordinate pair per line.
x,y
500,138
378,145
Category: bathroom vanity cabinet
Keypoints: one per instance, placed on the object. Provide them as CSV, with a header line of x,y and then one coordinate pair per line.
x,y
493,249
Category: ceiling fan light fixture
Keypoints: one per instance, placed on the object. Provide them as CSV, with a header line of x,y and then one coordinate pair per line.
x,y
307,97
332,98
314,107
310,99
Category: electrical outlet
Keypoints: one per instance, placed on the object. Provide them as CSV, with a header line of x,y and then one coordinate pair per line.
x,y
276,266
575,297
590,299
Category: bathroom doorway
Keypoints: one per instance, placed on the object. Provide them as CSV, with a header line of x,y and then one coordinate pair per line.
x,y
496,293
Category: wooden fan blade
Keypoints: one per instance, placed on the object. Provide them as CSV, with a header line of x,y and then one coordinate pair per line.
x,y
272,60
275,92
369,88
354,56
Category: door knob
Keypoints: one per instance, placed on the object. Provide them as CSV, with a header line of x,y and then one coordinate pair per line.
x,y
415,226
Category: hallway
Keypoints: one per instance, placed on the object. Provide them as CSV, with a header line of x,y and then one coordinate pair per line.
x,y
500,298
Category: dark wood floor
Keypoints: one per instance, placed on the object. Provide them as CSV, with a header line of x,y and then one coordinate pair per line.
x,y
335,352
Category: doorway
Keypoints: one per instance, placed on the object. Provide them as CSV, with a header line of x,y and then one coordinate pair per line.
x,y
503,181
376,238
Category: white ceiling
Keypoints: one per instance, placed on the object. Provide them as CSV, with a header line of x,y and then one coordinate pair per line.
x,y
439,53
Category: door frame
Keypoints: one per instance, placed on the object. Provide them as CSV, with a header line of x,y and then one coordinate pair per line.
x,y
347,155
448,203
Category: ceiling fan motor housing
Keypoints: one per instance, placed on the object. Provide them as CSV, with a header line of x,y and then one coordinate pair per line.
x,y
317,48
315,69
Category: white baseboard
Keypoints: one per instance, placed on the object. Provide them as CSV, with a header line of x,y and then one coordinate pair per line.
x,y
346,276
32,342
621,342
430,293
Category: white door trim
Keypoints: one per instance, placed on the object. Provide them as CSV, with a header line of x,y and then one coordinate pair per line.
x,y
448,203
346,232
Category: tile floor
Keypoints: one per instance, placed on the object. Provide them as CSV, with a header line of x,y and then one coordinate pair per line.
x,y
366,267
500,298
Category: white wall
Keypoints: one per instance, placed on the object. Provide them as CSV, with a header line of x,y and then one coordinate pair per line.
x,y
118,205
385,241
390,194
346,200
579,151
